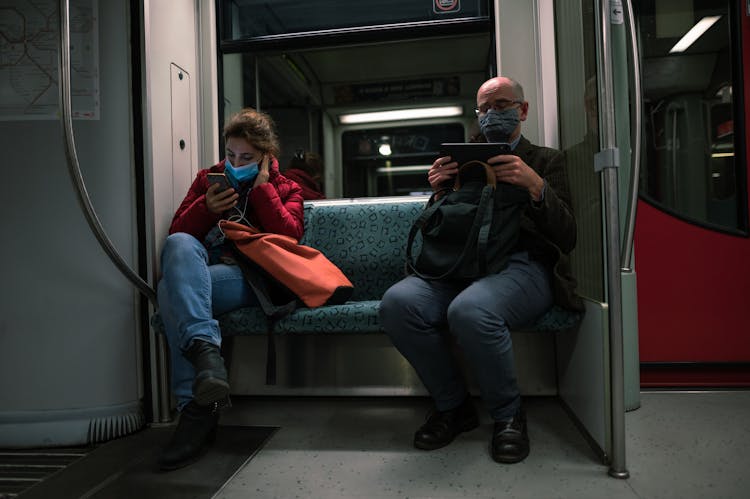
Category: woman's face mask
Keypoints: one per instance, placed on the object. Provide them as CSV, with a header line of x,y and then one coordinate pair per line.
x,y
240,174
497,126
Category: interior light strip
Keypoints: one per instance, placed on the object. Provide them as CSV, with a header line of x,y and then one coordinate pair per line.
x,y
409,168
695,32
401,114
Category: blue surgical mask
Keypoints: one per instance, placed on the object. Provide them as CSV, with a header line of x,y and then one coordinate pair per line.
x,y
497,126
240,174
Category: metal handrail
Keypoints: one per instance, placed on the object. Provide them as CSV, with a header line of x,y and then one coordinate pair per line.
x,y
627,243
73,166
617,467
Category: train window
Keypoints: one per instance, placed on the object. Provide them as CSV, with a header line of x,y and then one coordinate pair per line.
x,y
692,167
360,60
259,18
393,161
579,139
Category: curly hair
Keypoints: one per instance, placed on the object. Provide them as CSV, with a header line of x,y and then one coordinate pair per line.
x,y
256,127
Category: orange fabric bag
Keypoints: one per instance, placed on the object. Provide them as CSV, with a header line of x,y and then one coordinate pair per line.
x,y
306,272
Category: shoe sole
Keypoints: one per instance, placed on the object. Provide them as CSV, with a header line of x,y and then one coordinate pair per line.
x,y
510,458
192,459
467,426
182,464
507,459
209,390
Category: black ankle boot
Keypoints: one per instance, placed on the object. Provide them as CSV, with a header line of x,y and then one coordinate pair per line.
x,y
442,427
211,382
195,433
510,439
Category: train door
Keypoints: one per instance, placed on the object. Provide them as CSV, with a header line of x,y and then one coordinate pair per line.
x,y
691,244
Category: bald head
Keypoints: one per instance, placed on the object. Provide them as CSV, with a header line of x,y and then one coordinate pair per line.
x,y
502,93
500,83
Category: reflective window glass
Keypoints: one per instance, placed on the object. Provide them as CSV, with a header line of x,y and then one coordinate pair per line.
x,y
579,140
393,161
690,168
256,18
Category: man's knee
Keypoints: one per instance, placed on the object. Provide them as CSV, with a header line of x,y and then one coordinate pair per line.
x,y
392,306
472,324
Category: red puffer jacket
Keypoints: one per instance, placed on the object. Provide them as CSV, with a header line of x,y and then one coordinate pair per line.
x,y
275,206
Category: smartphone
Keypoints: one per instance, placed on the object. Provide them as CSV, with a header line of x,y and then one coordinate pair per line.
x,y
470,151
219,178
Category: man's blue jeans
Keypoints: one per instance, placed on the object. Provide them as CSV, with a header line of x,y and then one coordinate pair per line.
x,y
191,293
417,314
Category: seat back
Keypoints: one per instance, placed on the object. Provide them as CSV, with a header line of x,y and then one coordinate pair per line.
x,y
366,238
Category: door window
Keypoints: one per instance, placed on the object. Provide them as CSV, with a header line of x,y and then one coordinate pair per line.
x,y
693,167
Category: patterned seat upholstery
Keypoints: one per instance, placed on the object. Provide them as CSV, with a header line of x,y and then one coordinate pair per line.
x,y
366,238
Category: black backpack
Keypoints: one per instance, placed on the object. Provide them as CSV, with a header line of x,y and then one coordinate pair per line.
x,y
469,230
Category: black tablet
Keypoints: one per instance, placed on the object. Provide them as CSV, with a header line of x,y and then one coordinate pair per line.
x,y
463,152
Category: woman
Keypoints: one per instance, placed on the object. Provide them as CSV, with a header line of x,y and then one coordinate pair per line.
x,y
306,169
199,280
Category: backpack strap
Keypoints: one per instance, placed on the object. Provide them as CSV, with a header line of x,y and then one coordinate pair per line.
x,y
274,313
480,228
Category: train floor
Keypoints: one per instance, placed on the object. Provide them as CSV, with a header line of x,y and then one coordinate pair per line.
x,y
679,445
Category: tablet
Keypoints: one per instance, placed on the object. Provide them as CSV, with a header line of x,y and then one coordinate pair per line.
x,y
463,152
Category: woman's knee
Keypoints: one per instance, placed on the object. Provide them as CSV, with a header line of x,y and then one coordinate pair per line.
x,y
180,248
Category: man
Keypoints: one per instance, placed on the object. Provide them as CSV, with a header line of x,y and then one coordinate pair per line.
x,y
417,314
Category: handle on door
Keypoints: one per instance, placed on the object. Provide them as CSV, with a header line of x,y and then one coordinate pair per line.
x,y
74,167
627,242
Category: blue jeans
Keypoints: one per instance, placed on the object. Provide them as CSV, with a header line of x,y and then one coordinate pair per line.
x,y
417,314
191,293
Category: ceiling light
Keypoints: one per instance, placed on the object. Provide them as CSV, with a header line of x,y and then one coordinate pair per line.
x,y
385,149
401,114
695,32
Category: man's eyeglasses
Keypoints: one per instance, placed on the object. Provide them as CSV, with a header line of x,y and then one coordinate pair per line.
x,y
498,105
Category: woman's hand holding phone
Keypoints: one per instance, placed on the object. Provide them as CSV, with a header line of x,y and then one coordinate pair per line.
x,y
219,196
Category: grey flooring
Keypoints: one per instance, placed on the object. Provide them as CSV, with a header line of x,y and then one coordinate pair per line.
x,y
127,468
679,445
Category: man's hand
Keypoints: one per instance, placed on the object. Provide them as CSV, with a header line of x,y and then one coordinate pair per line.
x,y
513,170
441,171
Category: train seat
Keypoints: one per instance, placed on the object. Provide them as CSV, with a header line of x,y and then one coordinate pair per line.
x,y
366,238
341,349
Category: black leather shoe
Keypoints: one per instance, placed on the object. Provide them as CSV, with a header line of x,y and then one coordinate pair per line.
x,y
195,433
442,427
211,382
510,440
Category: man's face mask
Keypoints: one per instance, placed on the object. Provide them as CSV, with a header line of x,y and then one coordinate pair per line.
x,y
497,126
240,174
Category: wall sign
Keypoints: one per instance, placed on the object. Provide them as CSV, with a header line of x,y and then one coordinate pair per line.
x,y
446,6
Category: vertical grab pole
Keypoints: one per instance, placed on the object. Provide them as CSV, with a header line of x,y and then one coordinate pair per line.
x,y
607,161
498,57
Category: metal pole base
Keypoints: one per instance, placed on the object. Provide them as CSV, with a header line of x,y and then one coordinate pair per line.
x,y
619,474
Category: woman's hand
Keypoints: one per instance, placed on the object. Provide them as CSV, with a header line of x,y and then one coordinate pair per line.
x,y
263,171
218,201
442,170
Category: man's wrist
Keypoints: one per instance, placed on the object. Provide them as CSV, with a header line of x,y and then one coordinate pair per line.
x,y
537,191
